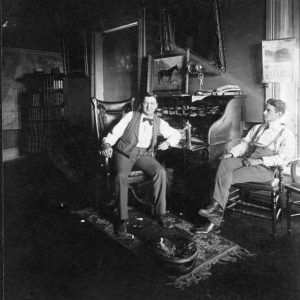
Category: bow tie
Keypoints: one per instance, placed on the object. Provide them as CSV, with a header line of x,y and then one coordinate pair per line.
x,y
149,120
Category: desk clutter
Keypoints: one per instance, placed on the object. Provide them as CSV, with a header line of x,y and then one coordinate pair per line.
x,y
198,116
189,110
215,122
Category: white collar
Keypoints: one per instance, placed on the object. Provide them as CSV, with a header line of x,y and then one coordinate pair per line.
x,y
276,124
145,116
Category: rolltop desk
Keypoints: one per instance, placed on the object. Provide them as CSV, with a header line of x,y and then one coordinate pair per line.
x,y
216,123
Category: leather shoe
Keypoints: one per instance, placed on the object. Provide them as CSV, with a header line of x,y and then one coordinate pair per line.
x,y
207,229
212,211
109,202
164,221
122,230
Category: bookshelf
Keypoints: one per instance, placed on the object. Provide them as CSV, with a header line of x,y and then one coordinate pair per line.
x,y
42,109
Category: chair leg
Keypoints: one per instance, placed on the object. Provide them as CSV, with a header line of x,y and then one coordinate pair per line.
x,y
141,200
288,211
274,213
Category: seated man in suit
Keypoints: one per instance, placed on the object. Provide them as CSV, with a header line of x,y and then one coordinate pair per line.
x,y
253,159
134,139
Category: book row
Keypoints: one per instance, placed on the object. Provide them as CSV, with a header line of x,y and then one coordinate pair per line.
x,y
47,99
45,114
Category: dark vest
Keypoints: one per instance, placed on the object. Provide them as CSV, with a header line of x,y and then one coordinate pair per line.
x,y
129,139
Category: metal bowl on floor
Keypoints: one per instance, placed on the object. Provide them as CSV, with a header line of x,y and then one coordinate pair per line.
x,y
177,254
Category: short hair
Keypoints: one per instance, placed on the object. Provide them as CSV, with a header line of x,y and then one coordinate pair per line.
x,y
149,94
279,105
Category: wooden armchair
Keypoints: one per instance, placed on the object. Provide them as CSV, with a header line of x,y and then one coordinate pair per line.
x,y
106,115
293,194
263,199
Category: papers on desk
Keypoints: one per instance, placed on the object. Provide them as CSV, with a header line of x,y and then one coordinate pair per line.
x,y
196,147
199,97
197,144
197,140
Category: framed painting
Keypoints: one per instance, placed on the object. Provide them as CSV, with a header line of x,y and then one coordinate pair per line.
x,y
278,57
166,74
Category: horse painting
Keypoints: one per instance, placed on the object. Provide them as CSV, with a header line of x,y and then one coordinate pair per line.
x,y
166,73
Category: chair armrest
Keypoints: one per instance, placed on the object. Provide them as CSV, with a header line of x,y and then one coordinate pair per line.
x,y
279,175
107,164
293,163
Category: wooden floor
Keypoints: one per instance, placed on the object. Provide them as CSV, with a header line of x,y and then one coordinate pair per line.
x,y
50,254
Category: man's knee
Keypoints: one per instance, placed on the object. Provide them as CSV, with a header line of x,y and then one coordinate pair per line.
x,y
160,172
226,163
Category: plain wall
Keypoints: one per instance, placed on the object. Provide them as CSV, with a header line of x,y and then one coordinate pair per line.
x,y
77,101
243,30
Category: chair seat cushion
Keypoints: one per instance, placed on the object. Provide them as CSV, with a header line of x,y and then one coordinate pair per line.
x,y
293,187
272,185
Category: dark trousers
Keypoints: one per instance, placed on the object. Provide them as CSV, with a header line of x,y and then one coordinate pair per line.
x,y
141,159
231,171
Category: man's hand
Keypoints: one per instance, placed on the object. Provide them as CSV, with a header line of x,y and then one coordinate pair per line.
x,y
250,162
107,150
227,155
163,146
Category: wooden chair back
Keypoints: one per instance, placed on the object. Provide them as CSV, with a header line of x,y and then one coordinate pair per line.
x,y
293,194
294,175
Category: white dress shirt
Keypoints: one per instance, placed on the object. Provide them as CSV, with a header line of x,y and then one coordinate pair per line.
x,y
171,135
283,145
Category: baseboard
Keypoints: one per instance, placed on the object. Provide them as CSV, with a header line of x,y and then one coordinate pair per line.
x,y
10,154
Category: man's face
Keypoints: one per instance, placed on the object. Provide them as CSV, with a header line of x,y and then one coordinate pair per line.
x,y
270,114
149,106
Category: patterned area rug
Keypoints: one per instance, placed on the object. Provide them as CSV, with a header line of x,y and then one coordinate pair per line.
x,y
211,249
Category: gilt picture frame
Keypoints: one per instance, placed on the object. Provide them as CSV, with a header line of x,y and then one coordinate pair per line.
x,y
166,74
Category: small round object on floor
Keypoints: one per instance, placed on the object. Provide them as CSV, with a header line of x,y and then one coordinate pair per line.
x,y
177,254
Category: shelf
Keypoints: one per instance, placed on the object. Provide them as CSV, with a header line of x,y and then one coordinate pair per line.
x,y
44,121
42,89
45,106
42,108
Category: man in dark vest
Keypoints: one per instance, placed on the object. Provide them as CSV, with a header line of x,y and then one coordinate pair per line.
x,y
253,159
134,139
